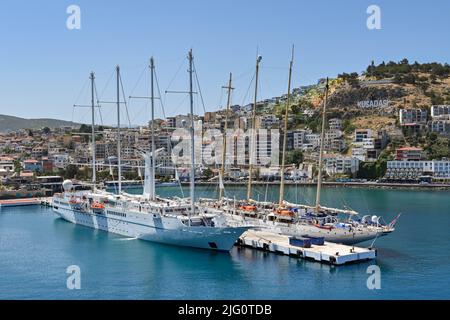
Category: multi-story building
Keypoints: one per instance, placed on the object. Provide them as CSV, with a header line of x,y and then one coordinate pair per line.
x,y
361,134
415,170
39,151
408,154
367,146
335,124
440,112
338,164
439,126
267,121
412,116
298,139
360,154
164,164
60,161
6,167
47,164
32,165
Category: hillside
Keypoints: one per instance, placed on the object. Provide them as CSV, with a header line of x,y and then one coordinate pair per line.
x,y
10,123
372,99
402,84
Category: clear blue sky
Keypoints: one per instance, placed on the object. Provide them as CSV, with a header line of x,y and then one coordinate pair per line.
x,y
44,65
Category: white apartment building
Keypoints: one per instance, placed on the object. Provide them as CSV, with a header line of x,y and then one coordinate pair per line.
x,y
412,116
439,126
338,164
298,138
412,170
268,121
359,153
361,134
60,160
440,112
335,124
6,167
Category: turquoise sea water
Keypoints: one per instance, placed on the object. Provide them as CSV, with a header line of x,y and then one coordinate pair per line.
x,y
36,247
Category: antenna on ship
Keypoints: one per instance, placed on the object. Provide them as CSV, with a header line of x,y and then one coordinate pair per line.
x,y
252,143
224,143
322,139
283,162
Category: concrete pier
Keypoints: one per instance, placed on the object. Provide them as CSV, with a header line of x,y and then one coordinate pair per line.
x,y
332,253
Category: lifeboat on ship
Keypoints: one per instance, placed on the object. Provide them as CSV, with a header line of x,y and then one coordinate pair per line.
x,y
97,207
285,214
322,226
75,203
248,208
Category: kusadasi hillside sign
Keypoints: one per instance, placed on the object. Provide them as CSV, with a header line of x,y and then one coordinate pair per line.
x,y
371,104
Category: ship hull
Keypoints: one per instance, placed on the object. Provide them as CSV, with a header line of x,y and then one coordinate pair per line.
x,y
336,235
156,230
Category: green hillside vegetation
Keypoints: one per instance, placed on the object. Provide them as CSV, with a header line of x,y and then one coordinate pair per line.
x,y
404,72
10,123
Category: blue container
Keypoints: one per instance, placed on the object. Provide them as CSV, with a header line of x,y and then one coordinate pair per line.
x,y
300,242
317,241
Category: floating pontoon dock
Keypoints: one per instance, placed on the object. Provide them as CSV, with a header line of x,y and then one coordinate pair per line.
x,y
332,253
19,202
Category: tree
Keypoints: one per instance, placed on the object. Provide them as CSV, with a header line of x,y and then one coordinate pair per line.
x,y
46,130
348,127
208,174
71,171
294,157
17,166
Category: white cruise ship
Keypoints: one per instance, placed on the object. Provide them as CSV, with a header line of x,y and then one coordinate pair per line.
x,y
162,220
169,221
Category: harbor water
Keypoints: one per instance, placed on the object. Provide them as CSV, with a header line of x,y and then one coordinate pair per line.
x,y
36,248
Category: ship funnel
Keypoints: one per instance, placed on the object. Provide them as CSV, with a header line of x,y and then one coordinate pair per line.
x,y
149,177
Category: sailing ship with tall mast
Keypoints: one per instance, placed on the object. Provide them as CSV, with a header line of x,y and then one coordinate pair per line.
x,y
146,216
298,219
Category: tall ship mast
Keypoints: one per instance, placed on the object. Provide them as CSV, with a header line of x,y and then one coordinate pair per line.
x,y
93,149
191,105
322,142
252,153
288,103
119,147
224,139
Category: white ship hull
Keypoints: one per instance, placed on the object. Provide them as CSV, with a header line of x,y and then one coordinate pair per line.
x,y
154,228
336,235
